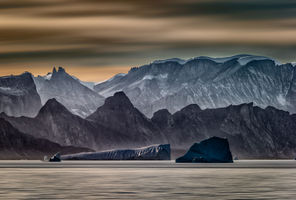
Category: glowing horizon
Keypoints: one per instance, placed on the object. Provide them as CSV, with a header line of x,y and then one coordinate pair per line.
x,y
89,37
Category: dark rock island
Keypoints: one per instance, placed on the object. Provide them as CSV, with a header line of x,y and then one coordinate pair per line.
x,y
212,150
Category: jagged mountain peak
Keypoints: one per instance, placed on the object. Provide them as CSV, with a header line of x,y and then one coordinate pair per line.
x,y
68,90
54,70
53,106
60,73
61,69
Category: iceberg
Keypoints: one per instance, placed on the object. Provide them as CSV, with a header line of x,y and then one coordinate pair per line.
x,y
212,150
154,152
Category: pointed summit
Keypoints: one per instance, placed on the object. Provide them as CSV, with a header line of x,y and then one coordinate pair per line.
x,y
54,70
115,109
118,101
53,106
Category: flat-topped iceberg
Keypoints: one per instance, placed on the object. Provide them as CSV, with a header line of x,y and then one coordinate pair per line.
x,y
212,150
154,152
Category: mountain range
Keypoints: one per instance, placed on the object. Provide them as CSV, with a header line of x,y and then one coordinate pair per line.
x,y
208,82
252,132
78,98
247,99
17,145
164,84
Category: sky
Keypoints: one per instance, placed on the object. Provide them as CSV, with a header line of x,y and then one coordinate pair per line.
x,y
96,39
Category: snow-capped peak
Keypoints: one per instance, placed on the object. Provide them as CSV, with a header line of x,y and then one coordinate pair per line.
x,y
178,60
243,59
248,58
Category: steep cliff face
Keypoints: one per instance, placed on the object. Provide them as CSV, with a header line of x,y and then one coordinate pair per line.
x,y
18,95
117,124
55,123
208,82
119,114
76,97
252,132
17,145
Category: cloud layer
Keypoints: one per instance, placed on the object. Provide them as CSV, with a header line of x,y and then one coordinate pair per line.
x,y
109,37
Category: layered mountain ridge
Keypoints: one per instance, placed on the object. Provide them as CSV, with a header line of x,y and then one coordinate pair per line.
x,y
209,82
252,132
18,95
244,98
75,96
17,145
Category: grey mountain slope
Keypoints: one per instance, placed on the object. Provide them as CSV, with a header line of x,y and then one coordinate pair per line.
x,y
208,82
252,132
17,145
18,95
76,97
117,124
55,123
119,114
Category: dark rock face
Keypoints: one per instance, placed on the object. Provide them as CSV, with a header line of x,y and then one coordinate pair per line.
x,y
131,125
76,97
117,124
18,95
212,150
17,145
252,132
154,152
211,83
55,123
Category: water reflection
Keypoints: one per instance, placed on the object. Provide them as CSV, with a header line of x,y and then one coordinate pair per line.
x,y
147,183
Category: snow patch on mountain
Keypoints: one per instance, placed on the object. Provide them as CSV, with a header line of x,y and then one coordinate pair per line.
x,y
243,59
47,76
78,96
246,59
150,77
173,85
281,99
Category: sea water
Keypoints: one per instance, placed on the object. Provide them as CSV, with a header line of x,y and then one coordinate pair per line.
x,y
147,180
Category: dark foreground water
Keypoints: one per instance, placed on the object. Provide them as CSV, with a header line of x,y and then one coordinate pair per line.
x,y
147,180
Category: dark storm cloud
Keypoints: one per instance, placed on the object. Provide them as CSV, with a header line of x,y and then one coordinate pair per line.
x,y
102,33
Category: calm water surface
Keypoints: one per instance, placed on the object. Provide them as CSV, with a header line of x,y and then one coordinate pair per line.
x,y
147,180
